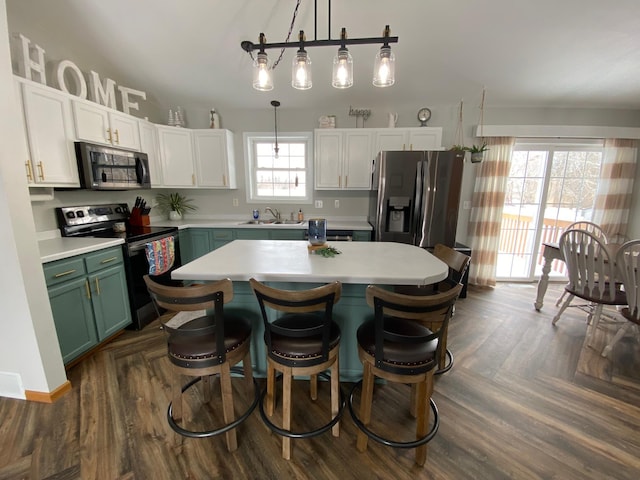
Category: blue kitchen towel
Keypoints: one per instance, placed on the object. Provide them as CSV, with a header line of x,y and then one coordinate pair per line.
x,y
160,255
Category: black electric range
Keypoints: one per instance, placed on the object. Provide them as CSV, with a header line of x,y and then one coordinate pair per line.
x,y
98,221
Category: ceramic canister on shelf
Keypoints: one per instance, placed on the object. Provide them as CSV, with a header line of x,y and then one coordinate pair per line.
x,y
317,231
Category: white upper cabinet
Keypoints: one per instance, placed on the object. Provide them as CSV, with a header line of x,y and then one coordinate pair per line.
x,y
98,124
328,159
214,158
149,145
49,125
420,138
343,159
358,160
176,155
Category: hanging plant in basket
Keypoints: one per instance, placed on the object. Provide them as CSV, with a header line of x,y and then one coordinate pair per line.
x,y
477,152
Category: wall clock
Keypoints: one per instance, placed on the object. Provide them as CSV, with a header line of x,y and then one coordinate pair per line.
x,y
424,114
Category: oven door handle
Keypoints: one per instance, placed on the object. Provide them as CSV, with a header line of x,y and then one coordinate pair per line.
x,y
142,245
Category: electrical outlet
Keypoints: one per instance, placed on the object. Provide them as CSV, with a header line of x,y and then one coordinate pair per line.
x,y
318,204
336,203
466,205
235,202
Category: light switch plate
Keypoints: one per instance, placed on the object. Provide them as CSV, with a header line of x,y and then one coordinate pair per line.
x,y
318,204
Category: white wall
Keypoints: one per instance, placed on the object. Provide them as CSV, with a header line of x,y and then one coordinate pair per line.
x,y
29,353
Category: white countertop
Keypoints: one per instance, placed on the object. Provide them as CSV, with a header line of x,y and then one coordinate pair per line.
x,y
64,247
386,263
235,223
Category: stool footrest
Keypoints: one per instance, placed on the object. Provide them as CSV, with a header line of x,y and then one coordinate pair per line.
x,y
288,433
448,366
211,433
391,443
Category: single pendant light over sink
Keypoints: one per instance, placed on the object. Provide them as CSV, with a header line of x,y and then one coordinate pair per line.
x,y
275,105
384,69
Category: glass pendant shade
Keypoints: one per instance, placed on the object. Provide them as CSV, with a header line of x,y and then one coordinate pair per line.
x,y
301,71
261,75
384,68
342,69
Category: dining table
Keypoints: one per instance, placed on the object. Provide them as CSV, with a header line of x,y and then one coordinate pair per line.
x,y
296,265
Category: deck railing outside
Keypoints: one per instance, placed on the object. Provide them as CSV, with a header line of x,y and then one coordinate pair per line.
x,y
518,232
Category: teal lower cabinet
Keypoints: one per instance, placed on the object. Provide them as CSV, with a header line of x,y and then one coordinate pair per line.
x,y
196,242
201,242
361,236
89,299
222,236
186,250
73,316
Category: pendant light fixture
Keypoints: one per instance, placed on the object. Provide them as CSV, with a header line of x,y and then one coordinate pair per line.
x,y
385,65
301,68
342,65
275,104
384,69
261,74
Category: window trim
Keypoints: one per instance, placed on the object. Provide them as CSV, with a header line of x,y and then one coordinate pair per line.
x,y
249,138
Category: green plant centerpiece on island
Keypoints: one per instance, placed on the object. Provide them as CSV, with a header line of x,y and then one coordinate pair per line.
x,y
175,204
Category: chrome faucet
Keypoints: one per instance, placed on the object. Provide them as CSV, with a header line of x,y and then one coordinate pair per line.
x,y
274,212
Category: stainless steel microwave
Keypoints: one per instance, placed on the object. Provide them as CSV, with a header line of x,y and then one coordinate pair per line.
x,y
108,168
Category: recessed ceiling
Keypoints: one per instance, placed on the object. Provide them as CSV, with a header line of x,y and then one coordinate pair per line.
x,y
568,53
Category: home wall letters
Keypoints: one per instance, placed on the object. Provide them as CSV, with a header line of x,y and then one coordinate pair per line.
x,y
31,65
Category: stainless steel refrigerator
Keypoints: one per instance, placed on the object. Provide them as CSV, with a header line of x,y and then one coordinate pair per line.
x,y
416,197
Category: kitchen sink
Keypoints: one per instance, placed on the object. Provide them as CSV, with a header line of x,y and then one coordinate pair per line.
x,y
271,222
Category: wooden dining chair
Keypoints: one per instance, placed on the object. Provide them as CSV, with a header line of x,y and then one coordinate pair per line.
x,y
590,227
303,340
628,267
210,341
401,344
592,274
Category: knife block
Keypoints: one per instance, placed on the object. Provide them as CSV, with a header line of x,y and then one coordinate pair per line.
x,y
136,218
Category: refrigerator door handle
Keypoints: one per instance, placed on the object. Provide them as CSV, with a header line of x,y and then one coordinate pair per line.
x,y
426,211
416,216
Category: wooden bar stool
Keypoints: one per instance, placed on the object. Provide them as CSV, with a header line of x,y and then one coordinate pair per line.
x,y
210,344
303,340
396,345
458,264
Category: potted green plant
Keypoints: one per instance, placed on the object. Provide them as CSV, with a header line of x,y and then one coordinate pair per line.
x,y
477,152
175,204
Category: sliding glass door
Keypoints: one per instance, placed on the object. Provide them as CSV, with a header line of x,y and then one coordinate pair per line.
x,y
549,187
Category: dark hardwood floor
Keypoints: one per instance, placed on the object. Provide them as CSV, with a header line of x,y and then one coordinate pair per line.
x,y
524,400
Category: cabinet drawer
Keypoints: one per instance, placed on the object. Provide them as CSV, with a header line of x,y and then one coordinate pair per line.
x,y
63,270
103,259
223,234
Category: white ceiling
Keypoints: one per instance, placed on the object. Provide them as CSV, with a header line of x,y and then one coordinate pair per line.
x,y
567,53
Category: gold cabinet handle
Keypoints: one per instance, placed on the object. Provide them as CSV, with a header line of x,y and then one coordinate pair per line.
x,y
193,179
117,137
339,181
224,180
29,172
62,274
97,286
107,260
109,135
41,171
346,181
86,284
411,147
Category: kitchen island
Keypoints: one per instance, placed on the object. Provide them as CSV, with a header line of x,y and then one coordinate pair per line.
x,y
289,265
